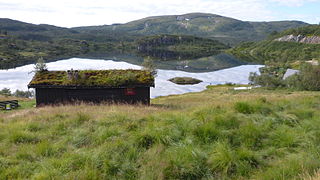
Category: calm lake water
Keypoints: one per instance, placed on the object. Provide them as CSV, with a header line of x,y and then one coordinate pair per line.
x,y
18,78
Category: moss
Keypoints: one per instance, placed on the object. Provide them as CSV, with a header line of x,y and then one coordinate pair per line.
x,y
108,78
185,80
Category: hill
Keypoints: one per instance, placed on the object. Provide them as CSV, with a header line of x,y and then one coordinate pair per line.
x,y
228,30
23,43
27,31
215,134
289,47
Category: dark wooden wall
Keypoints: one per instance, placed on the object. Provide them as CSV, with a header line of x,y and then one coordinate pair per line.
x,y
96,95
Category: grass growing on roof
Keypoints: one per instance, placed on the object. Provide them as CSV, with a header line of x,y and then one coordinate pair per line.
x,y
107,78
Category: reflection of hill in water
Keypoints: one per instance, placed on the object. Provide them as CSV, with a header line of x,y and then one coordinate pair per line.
x,y
204,64
168,55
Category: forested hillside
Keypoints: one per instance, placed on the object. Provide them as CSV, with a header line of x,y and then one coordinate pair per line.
x,y
227,30
288,47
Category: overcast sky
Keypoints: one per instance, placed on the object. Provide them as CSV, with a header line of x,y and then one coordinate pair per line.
x,y
73,13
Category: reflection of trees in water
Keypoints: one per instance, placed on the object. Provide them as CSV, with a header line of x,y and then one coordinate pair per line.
x,y
202,64
166,55
181,65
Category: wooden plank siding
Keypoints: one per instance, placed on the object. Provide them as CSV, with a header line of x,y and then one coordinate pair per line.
x,y
45,96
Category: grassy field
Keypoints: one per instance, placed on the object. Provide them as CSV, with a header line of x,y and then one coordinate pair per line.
x,y
215,134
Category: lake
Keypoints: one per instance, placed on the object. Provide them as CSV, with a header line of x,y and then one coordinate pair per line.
x,y
18,78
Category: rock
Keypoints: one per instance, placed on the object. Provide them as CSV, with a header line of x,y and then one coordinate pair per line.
x,y
289,73
242,88
180,18
313,62
300,39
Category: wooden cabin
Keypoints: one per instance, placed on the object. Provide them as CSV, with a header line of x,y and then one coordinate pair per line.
x,y
96,86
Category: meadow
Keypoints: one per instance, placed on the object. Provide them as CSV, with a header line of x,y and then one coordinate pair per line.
x,y
215,134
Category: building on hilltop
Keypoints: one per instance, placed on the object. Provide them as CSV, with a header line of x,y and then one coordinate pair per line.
x,y
118,86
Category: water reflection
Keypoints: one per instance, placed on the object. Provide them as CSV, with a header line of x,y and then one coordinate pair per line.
x,y
19,77
202,64
164,60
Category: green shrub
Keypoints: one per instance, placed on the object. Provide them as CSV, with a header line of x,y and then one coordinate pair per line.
x,y
34,127
25,156
286,119
262,108
303,113
60,128
5,92
104,134
73,162
145,141
266,80
207,114
81,138
186,162
23,137
244,107
45,149
206,133
291,166
284,137
23,94
226,121
81,118
251,134
228,161
20,171
308,79
263,100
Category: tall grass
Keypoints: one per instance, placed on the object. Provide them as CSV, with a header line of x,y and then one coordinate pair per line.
x,y
232,135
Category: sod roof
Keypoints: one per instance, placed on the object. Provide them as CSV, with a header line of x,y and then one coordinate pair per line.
x,y
93,78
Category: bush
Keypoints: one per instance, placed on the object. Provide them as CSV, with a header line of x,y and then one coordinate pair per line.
x,y
206,133
308,79
186,162
266,80
5,92
45,149
146,141
21,137
23,94
17,93
243,107
227,160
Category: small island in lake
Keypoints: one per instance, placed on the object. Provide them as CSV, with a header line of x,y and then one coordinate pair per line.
x,y
185,80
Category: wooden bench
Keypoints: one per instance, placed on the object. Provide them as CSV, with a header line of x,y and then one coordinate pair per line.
x,y
8,105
